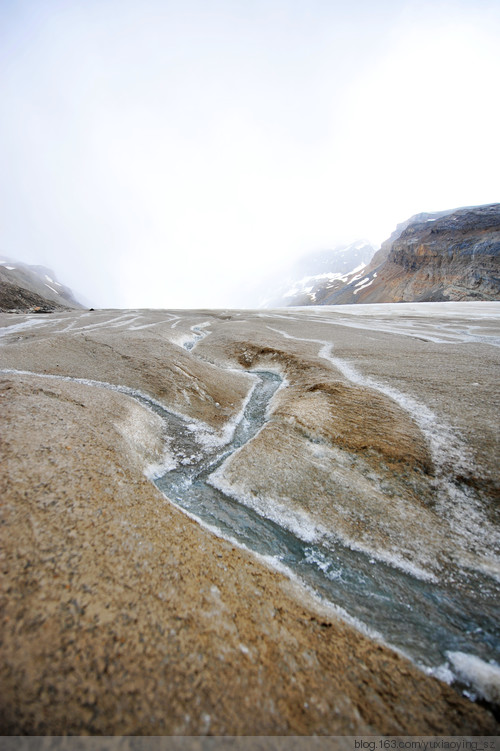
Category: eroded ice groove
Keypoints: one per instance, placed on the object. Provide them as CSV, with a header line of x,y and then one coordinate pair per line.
x,y
428,621
451,456
197,334
423,619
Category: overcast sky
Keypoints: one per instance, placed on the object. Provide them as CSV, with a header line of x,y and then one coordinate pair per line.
x,y
168,153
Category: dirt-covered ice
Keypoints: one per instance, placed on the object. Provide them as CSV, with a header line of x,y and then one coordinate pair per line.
x,y
123,615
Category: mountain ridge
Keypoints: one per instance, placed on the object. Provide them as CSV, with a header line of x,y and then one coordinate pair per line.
x,y
25,287
311,274
431,257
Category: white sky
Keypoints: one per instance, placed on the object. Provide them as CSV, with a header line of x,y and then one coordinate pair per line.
x,y
162,153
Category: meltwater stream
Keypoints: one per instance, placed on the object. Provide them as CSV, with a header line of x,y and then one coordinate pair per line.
x,y
423,619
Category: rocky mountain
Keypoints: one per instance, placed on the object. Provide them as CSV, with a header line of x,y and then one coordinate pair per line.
x,y
447,255
312,275
32,288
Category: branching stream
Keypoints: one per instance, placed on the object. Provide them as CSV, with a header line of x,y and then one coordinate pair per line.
x,y
424,619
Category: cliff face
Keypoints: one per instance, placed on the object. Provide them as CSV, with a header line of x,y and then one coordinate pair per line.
x,y
432,257
455,257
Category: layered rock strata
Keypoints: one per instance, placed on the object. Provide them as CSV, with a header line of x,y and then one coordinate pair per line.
x,y
432,257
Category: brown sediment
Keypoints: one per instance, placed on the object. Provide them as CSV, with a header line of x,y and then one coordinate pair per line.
x,y
121,615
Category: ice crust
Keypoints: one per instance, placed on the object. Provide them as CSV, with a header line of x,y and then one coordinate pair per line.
x,y
482,676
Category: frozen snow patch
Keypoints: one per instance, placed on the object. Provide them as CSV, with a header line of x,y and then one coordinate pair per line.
x,y
363,286
158,469
441,672
6,330
363,281
482,676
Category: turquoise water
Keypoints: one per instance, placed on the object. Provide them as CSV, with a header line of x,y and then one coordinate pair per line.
x,y
422,618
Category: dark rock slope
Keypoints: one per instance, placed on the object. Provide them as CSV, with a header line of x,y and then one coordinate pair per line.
x,y
451,255
32,288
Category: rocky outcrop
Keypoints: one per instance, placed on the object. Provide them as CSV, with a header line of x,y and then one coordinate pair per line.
x,y
14,298
452,255
455,257
26,288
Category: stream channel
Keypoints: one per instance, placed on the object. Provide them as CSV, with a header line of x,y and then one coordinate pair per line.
x,y
423,619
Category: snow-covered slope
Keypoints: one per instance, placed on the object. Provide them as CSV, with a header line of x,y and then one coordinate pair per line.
x,y
312,276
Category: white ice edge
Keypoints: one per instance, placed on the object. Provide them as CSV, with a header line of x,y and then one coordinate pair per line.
x,y
277,565
6,330
127,390
447,450
443,443
196,335
482,676
441,672
300,523
204,434
389,558
295,520
468,666
207,436
152,470
303,526
157,469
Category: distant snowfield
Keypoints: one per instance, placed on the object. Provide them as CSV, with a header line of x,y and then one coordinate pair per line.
x,y
439,322
435,321
475,309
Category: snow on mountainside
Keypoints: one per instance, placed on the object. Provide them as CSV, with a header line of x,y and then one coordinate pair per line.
x,y
314,273
34,288
439,256
448,255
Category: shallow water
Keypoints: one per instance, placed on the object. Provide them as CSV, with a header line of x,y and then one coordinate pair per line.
x,y
423,619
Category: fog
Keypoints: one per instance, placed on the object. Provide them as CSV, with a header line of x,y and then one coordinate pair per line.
x,y
173,154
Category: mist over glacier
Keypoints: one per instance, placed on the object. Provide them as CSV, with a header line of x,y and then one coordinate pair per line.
x,y
168,155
